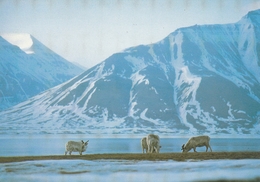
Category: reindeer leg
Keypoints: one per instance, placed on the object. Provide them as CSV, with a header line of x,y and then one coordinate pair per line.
x,y
210,148
194,149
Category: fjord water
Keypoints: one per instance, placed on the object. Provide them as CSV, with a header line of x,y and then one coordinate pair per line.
x,y
55,145
116,170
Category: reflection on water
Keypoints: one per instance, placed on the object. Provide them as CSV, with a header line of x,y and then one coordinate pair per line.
x,y
55,145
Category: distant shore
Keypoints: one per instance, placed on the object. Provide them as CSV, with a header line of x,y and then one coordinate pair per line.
x,y
151,157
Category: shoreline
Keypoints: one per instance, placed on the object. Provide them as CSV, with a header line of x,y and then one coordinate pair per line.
x,y
118,136
139,156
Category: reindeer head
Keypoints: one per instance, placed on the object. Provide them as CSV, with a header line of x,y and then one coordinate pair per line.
x,y
183,147
84,145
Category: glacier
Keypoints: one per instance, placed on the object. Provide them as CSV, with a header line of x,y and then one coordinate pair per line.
x,y
202,79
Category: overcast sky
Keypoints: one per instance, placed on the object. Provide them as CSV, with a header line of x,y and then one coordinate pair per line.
x,y
89,31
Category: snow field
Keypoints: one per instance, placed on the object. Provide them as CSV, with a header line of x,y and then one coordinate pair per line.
x,y
115,170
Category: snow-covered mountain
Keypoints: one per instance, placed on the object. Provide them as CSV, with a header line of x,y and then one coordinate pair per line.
x,y
27,68
203,79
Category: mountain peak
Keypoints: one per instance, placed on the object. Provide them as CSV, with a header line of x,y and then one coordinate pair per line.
x,y
198,80
22,40
27,67
253,16
254,12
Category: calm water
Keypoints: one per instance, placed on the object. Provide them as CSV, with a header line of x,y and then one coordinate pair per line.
x,y
54,145
113,170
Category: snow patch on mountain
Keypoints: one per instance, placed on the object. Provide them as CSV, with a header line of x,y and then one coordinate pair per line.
x,y
197,80
138,63
22,40
27,67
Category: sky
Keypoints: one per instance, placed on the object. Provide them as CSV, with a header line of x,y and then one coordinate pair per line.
x,y
89,31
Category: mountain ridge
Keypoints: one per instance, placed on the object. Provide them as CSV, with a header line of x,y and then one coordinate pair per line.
x,y
201,79
28,68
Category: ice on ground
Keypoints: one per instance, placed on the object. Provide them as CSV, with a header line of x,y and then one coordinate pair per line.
x,y
129,170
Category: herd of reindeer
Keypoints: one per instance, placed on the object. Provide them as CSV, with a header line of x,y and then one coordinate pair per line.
x,y
149,144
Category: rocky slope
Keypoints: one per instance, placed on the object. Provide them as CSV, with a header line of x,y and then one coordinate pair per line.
x,y
27,68
203,79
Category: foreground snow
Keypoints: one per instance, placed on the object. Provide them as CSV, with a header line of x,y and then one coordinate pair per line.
x,y
114,170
